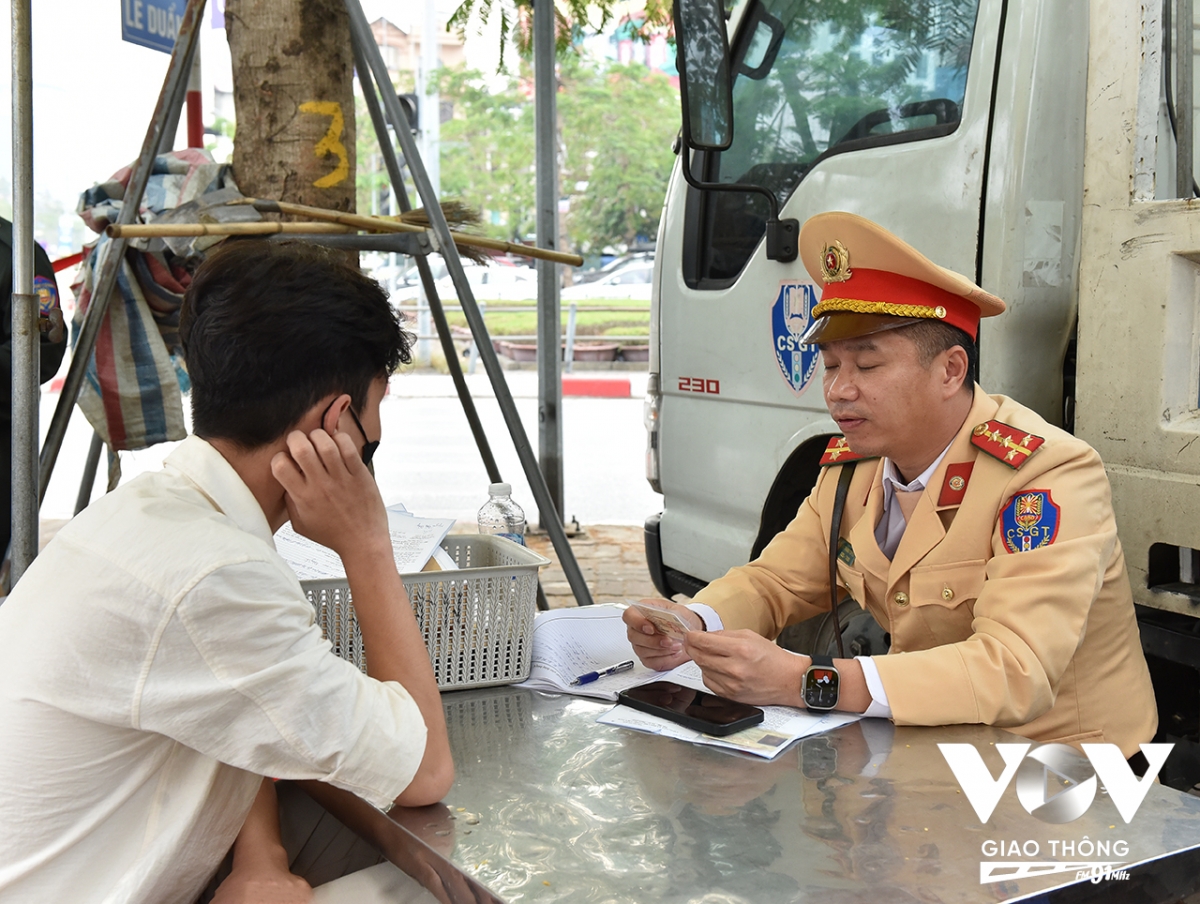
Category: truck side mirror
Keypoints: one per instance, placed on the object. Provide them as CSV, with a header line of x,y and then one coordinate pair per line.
x,y
705,85
706,93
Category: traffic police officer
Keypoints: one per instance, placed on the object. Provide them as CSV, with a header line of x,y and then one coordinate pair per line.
x,y
980,537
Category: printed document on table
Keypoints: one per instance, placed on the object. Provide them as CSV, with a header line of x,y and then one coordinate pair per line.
x,y
781,725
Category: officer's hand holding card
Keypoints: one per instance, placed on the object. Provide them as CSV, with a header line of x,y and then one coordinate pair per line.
x,y
664,621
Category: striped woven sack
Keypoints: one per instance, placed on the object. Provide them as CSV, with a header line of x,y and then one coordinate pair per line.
x,y
133,382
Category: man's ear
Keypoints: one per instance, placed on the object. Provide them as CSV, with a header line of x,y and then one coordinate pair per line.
x,y
957,367
325,414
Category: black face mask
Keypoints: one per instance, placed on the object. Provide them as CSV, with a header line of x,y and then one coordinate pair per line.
x,y
368,450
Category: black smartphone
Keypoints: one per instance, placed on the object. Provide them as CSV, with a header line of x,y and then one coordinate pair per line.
x,y
691,708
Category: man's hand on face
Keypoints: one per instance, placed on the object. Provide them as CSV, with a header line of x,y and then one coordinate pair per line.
x,y
746,667
658,651
330,495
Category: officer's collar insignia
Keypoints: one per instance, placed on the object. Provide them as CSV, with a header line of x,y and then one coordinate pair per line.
x,y
1008,444
838,452
845,551
1029,521
955,485
835,263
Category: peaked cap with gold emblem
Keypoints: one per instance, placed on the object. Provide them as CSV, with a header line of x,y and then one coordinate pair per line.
x,y
874,281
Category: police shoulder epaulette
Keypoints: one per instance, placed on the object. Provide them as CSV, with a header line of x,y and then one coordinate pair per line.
x,y
838,452
1008,444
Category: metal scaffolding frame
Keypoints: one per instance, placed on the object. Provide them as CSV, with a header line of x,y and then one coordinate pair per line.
x,y
29,486
25,344
439,234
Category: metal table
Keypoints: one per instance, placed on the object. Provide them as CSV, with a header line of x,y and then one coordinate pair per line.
x,y
549,806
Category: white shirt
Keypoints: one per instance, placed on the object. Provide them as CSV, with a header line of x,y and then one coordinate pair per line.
x,y
156,660
890,529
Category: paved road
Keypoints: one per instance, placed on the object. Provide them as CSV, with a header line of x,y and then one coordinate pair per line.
x,y
428,458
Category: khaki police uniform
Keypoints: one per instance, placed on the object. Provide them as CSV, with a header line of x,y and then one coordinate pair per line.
x,y
1025,623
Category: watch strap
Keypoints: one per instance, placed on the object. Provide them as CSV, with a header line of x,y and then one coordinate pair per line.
x,y
823,661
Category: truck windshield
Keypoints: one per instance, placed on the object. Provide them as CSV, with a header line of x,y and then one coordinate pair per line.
x,y
815,78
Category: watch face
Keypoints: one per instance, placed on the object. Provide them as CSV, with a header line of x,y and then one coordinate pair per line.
x,y
821,688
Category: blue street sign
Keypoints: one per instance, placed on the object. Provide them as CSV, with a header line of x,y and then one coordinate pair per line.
x,y
152,23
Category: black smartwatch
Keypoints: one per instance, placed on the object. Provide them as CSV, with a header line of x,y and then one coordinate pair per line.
x,y
819,687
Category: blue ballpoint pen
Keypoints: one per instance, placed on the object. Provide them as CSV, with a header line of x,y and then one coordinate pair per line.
x,y
589,677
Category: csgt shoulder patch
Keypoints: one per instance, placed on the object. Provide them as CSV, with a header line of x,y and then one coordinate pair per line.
x,y
1029,521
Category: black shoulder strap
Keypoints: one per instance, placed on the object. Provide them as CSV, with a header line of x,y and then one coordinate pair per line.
x,y
835,530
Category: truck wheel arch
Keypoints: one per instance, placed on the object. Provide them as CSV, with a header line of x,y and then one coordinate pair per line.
x,y
790,488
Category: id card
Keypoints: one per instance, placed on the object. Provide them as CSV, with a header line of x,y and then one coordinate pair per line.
x,y
664,620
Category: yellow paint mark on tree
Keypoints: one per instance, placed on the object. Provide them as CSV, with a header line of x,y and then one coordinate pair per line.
x,y
331,141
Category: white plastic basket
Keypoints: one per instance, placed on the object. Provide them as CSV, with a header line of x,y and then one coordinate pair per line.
x,y
477,620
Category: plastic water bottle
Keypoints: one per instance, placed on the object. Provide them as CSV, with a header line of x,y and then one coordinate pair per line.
x,y
502,517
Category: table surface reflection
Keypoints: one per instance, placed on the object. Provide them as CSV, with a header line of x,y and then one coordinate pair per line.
x,y
549,806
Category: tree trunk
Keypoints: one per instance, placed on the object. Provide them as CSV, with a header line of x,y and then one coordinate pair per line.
x,y
293,94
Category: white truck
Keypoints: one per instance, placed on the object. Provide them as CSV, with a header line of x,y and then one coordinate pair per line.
x,y
1029,144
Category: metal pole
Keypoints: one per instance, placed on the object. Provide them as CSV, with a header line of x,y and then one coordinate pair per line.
x,y
545,81
473,351
435,303
1184,102
170,131
195,102
430,105
170,100
569,354
25,349
88,483
361,34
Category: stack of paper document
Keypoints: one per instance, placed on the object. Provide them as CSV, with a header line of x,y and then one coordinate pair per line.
x,y
414,542
568,643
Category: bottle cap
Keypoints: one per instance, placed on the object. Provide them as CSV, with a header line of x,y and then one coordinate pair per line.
x,y
500,489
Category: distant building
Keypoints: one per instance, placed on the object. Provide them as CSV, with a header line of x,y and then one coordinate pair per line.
x,y
401,47
655,53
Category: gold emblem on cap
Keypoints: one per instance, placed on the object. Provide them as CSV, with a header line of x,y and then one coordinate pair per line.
x,y
835,263
940,312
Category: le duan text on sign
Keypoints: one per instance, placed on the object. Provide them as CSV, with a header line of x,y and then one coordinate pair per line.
x,y
152,23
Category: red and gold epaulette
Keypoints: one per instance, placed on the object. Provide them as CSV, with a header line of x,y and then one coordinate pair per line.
x,y
1008,444
838,452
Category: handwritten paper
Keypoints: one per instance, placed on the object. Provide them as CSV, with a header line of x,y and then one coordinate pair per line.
x,y
414,541
568,643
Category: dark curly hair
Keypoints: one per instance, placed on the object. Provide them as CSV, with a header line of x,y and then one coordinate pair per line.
x,y
270,328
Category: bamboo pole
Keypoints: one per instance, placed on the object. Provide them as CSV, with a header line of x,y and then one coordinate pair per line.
x,y
171,230
390,224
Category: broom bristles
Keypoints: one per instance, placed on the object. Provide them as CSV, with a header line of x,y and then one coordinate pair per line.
x,y
458,215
